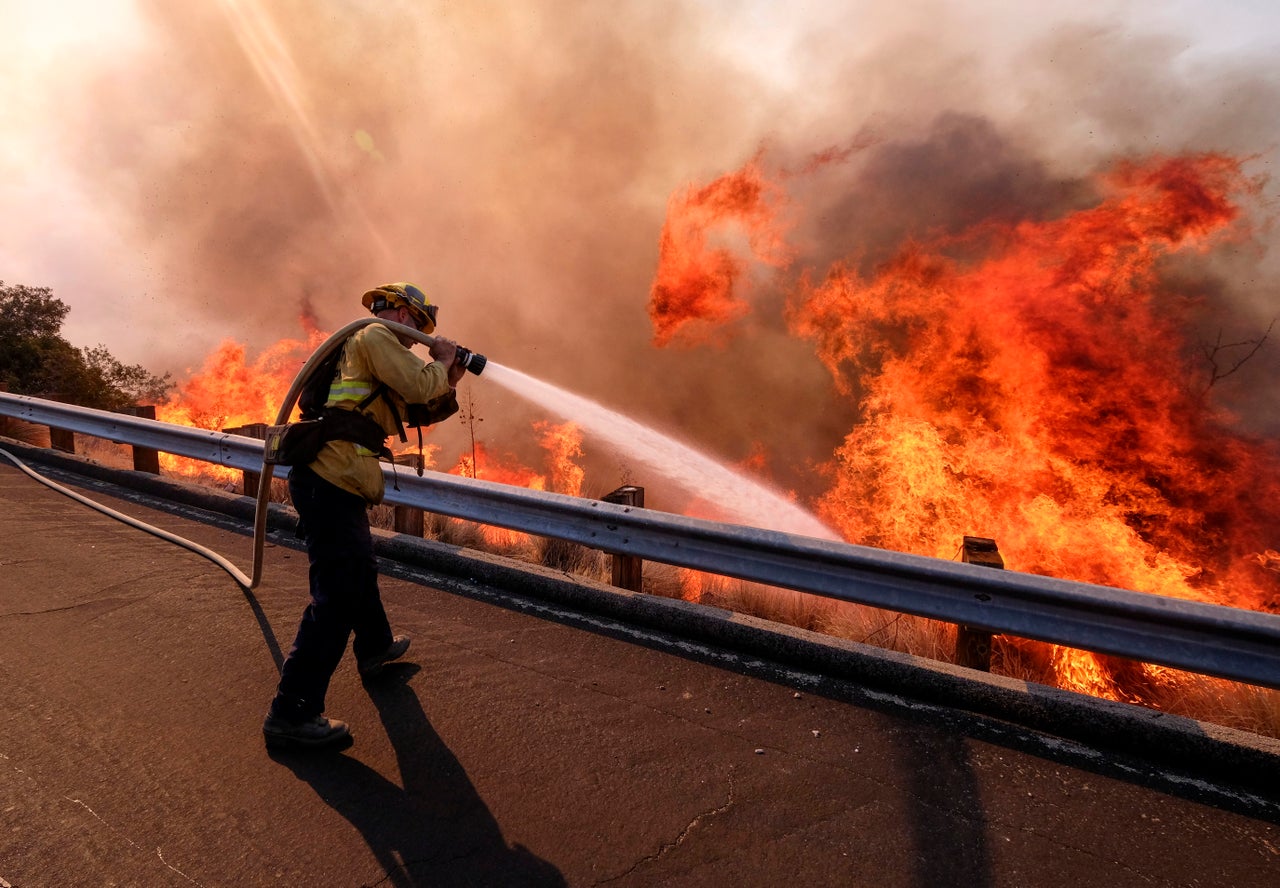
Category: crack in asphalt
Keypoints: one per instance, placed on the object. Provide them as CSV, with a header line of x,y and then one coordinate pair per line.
x,y
132,843
93,602
39,788
117,600
668,847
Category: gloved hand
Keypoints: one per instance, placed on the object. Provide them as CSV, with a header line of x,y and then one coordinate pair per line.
x,y
445,351
456,372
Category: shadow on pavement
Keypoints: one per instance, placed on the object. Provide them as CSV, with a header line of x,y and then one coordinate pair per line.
x,y
264,625
948,824
436,830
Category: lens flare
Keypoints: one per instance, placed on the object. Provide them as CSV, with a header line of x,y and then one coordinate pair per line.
x,y
272,60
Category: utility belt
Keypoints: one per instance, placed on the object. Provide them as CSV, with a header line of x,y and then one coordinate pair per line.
x,y
299,443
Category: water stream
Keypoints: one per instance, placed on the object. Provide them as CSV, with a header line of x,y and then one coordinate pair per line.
x,y
742,499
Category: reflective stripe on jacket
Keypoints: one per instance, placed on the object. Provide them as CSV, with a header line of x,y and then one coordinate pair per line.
x,y
372,355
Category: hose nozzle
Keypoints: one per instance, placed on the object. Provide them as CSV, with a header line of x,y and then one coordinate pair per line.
x,y
472,361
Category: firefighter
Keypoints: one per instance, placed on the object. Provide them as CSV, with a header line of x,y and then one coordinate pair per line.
x,y
331,495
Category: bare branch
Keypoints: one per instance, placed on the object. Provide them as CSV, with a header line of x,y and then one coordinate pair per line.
x,y
1212,353
468,417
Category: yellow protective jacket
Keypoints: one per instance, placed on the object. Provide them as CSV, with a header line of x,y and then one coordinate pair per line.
x,y
372,355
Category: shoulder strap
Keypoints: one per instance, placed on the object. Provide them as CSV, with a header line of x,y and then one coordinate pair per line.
x,y
378,392
374,395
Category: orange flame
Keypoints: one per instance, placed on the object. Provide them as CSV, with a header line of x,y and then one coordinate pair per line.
x,y
1040,394
700,267
1030,382
505,470
231,391
484,465
562,442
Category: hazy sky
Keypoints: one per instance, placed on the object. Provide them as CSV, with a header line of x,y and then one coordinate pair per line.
x,y
77,75
181,173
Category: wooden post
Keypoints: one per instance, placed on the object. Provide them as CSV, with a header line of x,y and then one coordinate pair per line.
x,y
628,570
409,519
144,458
258,430
62,439
973,646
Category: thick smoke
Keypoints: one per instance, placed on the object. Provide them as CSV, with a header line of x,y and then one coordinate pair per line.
x,y
514,162
266,160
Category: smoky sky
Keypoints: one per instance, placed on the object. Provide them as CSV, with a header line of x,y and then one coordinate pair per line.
x,y
515,160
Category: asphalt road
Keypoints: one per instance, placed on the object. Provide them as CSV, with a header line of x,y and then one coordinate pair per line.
x,y
520,745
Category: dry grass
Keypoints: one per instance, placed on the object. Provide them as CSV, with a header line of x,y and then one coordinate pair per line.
x,y
574,559
905,633
550,552
104,452
660,579
27,433
1229,704
776,605
1218,701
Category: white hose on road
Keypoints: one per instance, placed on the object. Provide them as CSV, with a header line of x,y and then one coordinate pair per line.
x,y
213,556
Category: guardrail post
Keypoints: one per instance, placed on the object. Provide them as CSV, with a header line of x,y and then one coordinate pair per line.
x,y
4,420
973,646
144,458
62,439
258,430
627,569
408,519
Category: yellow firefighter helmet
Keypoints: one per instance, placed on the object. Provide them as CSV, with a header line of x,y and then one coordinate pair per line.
x,y
390,296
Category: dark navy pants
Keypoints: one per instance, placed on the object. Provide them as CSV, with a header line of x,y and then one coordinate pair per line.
x,y
344,594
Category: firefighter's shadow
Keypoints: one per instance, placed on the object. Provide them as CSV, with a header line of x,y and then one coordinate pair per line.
x,y
264,626
435,830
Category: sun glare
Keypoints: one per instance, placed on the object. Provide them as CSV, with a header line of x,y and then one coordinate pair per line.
x,y
40,31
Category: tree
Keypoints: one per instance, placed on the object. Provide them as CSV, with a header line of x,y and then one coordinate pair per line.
x,y
35,359
29,320
134,382
29,312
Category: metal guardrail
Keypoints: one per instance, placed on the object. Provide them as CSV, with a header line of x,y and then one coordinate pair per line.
x,y
1210,639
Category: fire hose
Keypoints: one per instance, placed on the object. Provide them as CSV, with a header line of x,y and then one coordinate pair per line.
x,y
472,361
130,520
